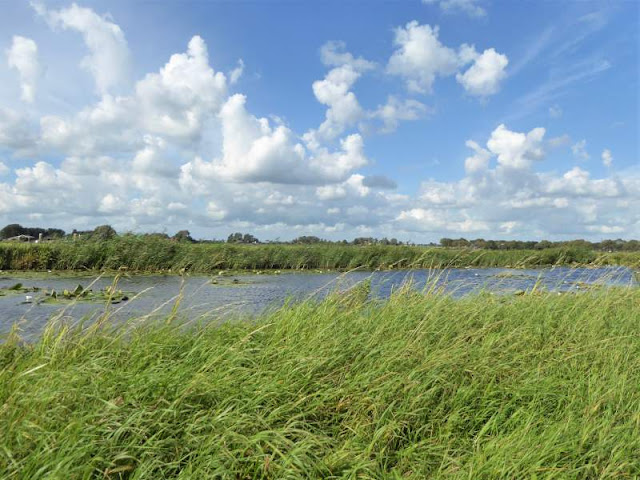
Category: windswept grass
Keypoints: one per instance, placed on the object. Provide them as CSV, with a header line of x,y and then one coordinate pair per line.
x,y
419,386
146,254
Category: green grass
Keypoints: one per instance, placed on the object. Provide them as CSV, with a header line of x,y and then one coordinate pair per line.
x,y
159,255
420,386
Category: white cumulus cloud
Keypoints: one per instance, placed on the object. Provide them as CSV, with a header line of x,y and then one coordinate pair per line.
x,y
23,57
514,149
109,59
483,77
420,58
175,101
177,150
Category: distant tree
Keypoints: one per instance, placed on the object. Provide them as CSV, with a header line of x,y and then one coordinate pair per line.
x,y
364,241
183,236
542,244
54,233
479,243
240,238
307,239
12,230
235,238
159,236
579,243
631,246
461,242
446,242
103,232
248,238
15,229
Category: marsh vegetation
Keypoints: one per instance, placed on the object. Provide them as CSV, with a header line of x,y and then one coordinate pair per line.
x,y
152,254
418,386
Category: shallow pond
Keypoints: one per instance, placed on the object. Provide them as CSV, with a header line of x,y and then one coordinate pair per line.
x,y
218,296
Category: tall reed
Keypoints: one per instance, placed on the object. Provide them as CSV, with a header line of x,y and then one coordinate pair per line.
x,y
153,255
419,386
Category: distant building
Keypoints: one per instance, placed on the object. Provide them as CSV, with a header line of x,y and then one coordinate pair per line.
x,y
22,238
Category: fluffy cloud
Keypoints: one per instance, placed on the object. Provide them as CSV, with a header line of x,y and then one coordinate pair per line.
x,y
176,150
353,186
479,161
175,101
111,204
17,132
109,125
396,110
109,59
577,182
483,77
469,7
253,150
607,158
333,54
344,112
420,58
425,220
514,149
23,57
334,91
152,160
511,197
43,177
236,73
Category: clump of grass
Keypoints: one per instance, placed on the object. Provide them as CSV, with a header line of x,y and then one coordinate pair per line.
x,y
145,254
419,386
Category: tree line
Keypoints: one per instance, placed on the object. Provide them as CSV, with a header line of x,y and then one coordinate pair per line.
x,y
480,243
106,232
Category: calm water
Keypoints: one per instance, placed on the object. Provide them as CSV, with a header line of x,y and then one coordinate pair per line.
x,y
202,299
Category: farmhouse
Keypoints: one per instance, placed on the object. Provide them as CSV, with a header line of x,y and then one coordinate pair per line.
x,y
22,238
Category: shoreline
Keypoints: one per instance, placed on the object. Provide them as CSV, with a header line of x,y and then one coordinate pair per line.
x,y
38,274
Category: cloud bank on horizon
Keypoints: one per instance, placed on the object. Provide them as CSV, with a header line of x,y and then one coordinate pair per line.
x,y
181,146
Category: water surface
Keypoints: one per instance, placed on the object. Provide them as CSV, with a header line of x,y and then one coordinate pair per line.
x,y
255,293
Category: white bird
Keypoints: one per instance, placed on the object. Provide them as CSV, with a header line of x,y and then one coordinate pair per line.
x,y
28,298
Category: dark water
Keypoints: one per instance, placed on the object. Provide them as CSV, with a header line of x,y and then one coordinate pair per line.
x,y
201,299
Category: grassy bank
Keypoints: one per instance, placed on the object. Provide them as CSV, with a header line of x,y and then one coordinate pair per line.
x,y
156,255
537,386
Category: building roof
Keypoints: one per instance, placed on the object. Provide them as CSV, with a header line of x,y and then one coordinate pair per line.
x,y
22,237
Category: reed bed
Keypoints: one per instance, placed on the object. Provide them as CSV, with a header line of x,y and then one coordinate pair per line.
x,y
418,386
145,254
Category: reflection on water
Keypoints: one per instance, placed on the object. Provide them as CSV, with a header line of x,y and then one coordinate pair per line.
x,y
254,293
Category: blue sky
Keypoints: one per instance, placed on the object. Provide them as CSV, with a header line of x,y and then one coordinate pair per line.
x,y
414,119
